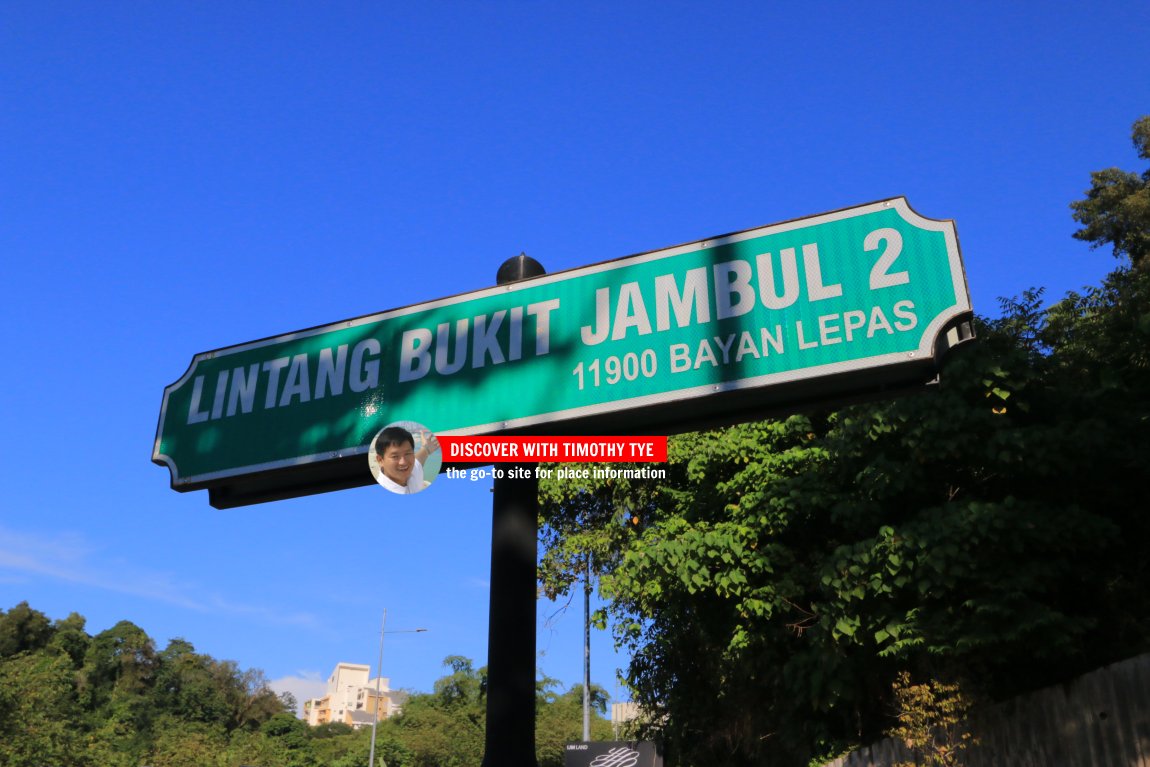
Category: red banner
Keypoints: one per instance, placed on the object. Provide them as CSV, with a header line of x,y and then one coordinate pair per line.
x,y
552,449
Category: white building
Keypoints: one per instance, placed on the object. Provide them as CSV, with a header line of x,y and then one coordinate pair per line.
x,y
622,715
351,698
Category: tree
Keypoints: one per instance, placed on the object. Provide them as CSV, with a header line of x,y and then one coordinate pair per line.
x,y
192,687
289,730
582,532
1116,210
113,701
38,711
23,629
796,566
788,571
446,727
463,688
120,663
288,701
931,722
115,683
70,637
254,699
559,721
186,744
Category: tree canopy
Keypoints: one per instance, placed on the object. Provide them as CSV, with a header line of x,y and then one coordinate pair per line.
x,y
788,571
1116,211
113,700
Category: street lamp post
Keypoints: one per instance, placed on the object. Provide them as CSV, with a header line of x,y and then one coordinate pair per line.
x,y
587,651
379,679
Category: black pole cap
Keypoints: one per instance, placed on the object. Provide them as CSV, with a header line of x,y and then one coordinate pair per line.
x,y
518,268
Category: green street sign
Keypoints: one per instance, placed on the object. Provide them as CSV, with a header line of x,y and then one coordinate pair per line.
x,y
805,312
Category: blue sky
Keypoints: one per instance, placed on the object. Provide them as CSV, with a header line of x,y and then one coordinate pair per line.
x,y
178,177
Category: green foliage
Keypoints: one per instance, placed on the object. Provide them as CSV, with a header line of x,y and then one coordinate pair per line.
x,y
791,566
1116,210
330,730
445,728
289,730
464,688
37,708
112,701
186,744
70,637
119,667
582,529
559,721
786,571
23,629
192,686
931,721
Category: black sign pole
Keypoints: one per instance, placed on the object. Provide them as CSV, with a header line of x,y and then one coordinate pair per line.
x,y
510,738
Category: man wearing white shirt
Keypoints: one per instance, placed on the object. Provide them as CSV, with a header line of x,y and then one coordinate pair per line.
x,y
400,464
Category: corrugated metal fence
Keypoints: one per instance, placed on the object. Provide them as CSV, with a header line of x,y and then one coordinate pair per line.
x,y
1101,719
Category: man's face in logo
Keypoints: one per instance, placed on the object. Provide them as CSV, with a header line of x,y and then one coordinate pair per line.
x,y
397,461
